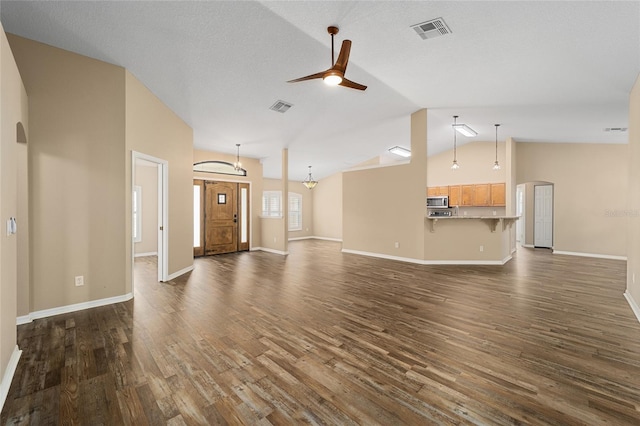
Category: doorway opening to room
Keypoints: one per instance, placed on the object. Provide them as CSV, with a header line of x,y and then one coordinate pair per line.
x,y
221,221
149,214
534,203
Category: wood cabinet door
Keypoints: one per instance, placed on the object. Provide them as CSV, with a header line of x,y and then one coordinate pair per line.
x,y
467,195
443,190
432,191
454,196
482,195
498,195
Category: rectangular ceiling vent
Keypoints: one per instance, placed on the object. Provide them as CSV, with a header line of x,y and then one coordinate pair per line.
x,y
615,129
281,106
431,29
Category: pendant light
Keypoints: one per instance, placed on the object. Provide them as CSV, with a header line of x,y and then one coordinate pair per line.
x,y
496,165
237,165
454,166
309,182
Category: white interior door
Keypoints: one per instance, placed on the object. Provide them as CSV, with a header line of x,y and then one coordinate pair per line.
x,y
519,212
543,216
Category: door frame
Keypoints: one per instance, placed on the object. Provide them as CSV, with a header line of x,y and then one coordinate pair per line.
x,y
250,199
163,212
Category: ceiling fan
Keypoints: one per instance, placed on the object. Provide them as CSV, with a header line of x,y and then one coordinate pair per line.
x,y
335,75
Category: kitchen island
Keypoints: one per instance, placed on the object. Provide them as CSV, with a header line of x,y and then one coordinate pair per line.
x,y
477,240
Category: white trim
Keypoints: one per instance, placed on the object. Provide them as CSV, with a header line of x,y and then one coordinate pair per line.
x,y
468,262
528,246
180,272
268,250
600,256
634,306
24,319
313,237
74,308
428,262
339,240
8,375
384,256
151,253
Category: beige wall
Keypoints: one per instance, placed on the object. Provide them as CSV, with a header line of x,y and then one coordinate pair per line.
x,y
147,180
384,206
327,207
633,195
13,109
76,175
153,129
254,178
307,204
476,165
583,176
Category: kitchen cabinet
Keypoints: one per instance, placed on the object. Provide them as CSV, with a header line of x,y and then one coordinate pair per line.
x,y
467,197
435,191
482,195
454,196
498,194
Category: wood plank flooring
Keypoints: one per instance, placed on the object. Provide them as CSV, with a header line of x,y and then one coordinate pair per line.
x,y
321,337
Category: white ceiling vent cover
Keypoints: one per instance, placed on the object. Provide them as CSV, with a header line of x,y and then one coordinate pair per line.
x,y
281,106
615,129
431,29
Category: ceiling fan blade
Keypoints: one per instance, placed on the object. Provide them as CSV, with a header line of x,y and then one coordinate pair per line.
x,y
352,84
309,77
343,57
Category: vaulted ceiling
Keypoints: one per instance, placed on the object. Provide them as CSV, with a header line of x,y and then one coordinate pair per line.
x,y
547,71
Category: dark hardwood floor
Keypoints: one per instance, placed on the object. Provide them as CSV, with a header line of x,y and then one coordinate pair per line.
x,y
322,337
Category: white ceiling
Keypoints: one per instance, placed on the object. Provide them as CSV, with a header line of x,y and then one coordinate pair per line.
x,y
548,71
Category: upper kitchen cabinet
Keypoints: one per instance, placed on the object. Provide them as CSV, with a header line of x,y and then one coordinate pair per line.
x,y
498,194
436,191
482,195
454,195
467,198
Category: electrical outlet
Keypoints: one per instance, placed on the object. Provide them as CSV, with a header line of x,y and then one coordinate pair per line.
x,y
465,213
397,244
494,212
481,248
275,239
79,280
633,278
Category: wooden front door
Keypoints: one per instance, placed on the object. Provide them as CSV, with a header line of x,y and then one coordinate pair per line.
x,y
221,217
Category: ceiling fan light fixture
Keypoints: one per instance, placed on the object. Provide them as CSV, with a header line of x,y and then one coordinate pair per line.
x,y
332,79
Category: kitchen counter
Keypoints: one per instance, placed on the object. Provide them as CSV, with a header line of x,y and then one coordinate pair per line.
x,y
493,220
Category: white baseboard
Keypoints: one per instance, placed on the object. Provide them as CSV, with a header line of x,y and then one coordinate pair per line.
x,y
180,272
8,375
151,253
339,240
528,246
72,308
384,256
599,256
268,250
428,262
300,238
634,306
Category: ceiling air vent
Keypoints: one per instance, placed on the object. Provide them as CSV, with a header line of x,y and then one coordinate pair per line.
x,y
615,129
281,106
431,29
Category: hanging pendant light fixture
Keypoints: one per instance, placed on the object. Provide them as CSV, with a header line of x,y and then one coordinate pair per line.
x,y
237,165
496,165
454,166
309,182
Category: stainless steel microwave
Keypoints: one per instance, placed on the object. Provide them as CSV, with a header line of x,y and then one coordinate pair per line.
x,y
440,202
